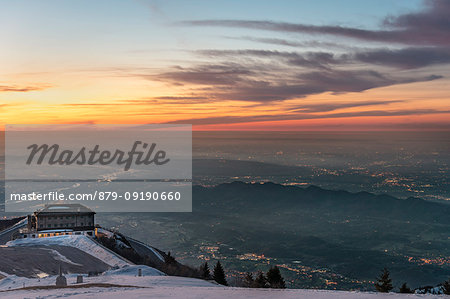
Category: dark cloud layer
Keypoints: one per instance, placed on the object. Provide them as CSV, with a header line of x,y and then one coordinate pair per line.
x,y
405,58
327,107
408,58
231,82
304,116
270,76
429,27
308,60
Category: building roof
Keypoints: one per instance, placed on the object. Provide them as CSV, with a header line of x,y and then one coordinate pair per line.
x,y
64,208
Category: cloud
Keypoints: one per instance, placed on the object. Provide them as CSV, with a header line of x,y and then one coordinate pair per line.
x,y
15,88
181,98
173,100
428,27
308,59
214,74
230,82
88,104
408,58
143,101
264,76
303,116
170,100
405,58
338,81
290,43
327,107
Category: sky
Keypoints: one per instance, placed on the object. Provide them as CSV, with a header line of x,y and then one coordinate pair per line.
x,y
227,65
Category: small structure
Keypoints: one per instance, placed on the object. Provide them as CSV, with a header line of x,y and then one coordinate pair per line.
x,y
79,278
61,280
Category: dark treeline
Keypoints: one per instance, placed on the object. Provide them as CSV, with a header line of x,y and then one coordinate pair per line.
x,y
384,285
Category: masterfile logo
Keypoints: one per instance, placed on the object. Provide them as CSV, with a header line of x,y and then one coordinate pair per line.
x,y
112,168
95,156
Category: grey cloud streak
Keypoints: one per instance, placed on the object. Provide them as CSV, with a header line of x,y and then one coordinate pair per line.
x,y
406,58
327,107
411,41
428,27
302,116
230,82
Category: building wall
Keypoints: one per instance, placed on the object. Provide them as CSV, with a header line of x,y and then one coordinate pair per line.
x,y
65,221
88,233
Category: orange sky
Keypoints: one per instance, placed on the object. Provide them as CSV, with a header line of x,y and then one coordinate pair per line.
x,y
215,83
99,98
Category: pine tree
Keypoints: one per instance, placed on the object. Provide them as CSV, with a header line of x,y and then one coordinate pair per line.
x,y
384,282
446,287
204,271
275,279
219,274
405,289
249,281
260,281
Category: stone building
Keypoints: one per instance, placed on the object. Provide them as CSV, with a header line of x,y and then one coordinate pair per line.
x,y
60,219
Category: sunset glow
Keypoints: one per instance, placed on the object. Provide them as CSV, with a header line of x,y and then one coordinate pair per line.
x,y
223,67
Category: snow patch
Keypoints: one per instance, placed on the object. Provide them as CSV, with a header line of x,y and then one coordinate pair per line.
x,y
133,271
58,256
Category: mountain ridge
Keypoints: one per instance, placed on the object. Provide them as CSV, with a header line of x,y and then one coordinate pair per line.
x,y
381,205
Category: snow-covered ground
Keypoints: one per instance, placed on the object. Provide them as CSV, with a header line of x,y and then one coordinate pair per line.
x,y
152,283
123,276
11,285
184,292
78,241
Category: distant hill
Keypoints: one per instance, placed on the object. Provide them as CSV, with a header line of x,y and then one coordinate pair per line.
x,y
277,197
353,235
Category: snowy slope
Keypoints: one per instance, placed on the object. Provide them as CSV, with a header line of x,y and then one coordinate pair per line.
x,y
123,276
78,241
153,284
184,292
